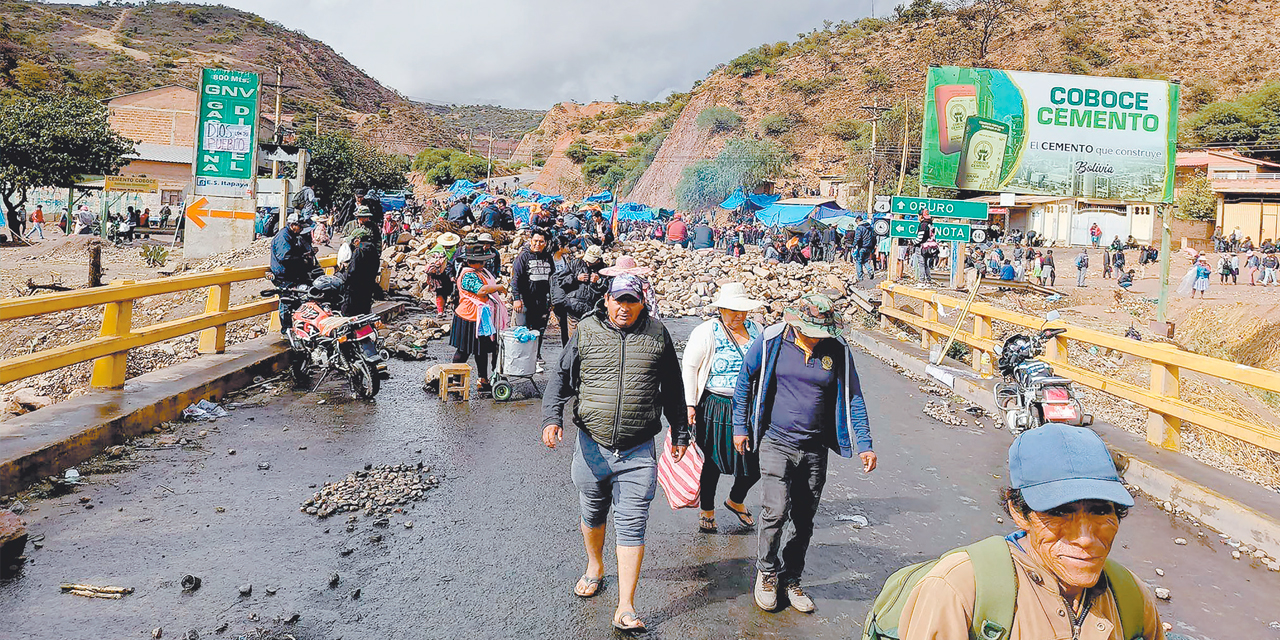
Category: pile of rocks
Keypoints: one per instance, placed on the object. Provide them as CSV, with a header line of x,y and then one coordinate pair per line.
x,y
408,261
375,490
686,280
409,340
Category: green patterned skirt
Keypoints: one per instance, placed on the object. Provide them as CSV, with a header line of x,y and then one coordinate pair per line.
x,y
714,435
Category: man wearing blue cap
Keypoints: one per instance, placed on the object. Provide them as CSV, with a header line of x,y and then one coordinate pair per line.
x,y
1067,500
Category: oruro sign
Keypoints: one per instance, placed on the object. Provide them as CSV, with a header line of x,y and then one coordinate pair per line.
x,y
939,207
226,133
1049,134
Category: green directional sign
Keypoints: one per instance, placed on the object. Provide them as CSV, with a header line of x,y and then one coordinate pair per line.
x,y
226,133
942,231
939,208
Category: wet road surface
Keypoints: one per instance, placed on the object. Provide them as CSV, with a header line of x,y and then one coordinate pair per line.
x,y
495,550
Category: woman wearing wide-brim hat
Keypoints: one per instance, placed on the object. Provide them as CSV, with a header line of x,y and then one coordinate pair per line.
x,y
711,362
480,314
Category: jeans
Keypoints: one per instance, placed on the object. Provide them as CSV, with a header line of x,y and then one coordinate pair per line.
x,y
36,227
791,481
864,262
627,480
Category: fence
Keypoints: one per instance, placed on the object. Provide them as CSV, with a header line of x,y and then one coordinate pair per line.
x,y
109,351
1165,409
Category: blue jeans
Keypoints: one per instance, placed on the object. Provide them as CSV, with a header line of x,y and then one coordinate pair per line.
x,y
791,482
863,258
625,480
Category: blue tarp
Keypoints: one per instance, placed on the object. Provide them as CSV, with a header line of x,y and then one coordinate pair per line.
x,y
546,200
463,187
521,212
785,215
635,211
528,194
603,196
752,201
392,202
824,212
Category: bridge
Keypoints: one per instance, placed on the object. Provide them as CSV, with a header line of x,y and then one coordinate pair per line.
x,y
494,550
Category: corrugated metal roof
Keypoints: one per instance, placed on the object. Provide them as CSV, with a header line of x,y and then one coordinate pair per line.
x,y
165,153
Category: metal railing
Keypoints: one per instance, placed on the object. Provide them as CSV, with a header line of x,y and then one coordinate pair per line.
x,y
109,351
1165,409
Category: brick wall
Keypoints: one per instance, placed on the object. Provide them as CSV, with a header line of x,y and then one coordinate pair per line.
x,y
171,175
160,116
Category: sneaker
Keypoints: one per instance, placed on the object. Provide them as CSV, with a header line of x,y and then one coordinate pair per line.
x,y
800,600
766,591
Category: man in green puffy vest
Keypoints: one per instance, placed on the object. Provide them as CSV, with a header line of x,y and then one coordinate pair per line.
x,y
623,368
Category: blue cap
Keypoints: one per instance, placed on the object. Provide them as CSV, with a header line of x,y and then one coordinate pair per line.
x,y
1055,464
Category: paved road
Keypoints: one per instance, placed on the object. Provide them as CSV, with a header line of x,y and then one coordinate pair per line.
x,y
495,550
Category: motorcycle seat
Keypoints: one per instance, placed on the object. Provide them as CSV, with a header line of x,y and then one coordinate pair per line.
x,y
327,325
1050,379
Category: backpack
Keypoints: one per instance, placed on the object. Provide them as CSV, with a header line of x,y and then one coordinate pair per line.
x,y
435,262
1082,262
997,589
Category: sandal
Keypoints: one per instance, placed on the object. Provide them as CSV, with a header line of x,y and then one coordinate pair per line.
x,y
593,583
707,524
483,386
744,516
620,622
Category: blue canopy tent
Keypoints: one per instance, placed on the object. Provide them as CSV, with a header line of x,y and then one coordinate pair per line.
x,y
752,202
633,211
791,216
603,196
546,200
465,186
528,194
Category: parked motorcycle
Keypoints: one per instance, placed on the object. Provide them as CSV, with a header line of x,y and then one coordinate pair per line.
x,y
1031,394
320,339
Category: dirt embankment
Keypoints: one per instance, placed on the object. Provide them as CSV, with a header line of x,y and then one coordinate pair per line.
x,y
687,143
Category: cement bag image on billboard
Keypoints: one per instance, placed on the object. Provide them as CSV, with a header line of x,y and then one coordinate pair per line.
x,y
1049,134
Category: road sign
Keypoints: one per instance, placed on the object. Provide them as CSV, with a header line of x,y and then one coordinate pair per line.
x,y
942,231
882,205
196,212
226,133
131,183
940,208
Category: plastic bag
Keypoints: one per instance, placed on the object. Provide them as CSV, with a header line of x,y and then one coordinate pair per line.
x,y
204,410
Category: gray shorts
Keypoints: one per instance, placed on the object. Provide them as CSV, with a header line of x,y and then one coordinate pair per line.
x,y
626,480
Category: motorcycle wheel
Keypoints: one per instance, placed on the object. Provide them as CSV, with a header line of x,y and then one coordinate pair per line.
x,y
364,381
300,368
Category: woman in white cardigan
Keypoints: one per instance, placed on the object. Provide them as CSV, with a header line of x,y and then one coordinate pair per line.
x,y
712,360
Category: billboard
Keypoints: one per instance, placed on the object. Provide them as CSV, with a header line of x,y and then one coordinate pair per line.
x,y
1049,134
226,133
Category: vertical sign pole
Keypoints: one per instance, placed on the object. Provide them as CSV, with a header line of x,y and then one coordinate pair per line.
x,y
1162,305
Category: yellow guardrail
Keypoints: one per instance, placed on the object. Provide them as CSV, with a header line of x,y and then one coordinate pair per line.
x,y
109,351
1165,409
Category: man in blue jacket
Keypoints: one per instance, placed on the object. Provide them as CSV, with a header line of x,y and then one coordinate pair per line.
x,y
797,396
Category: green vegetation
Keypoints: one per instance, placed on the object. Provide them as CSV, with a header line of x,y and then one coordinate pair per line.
x,y
776,124
919,11
718,119
53,141
758,60
740,163
1197,201
847,129
442,167
1251,118
340,164
811,87
578,151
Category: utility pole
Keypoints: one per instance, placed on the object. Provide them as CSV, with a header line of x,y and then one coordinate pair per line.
x,y
279,137
906,126
489,172
875,110
471,134
317,125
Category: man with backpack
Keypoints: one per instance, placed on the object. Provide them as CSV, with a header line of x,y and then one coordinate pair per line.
x,y
1082,267
864,243
1049,579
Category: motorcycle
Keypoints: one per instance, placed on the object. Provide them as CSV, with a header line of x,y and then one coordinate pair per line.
x,y
1031,394
321,339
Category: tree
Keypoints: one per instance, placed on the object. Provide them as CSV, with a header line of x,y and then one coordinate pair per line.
x,y
444,166
341,164
986,19
578,151
718,119
741,163
1253,117
1197,201
52,142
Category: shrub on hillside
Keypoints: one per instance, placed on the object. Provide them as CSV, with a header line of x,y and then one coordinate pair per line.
x,y
810,87
740,163
776,124
1253,117
718,119
578,151
846,129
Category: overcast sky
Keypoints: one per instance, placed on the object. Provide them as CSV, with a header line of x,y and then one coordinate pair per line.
x,y
534,53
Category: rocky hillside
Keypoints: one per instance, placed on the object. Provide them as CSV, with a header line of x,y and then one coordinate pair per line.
x,y
807,95
106,50
605,127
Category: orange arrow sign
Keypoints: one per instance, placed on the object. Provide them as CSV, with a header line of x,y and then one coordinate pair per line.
x,y
196,211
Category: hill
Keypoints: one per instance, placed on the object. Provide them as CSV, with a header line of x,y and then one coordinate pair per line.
x,y
807,95
106,50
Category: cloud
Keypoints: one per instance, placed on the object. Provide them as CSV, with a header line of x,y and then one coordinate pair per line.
x,y
534,53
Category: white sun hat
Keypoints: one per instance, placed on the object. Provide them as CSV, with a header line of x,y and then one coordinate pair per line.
x,y
733,296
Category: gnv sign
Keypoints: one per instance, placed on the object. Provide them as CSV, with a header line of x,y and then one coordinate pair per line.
x,y
226,133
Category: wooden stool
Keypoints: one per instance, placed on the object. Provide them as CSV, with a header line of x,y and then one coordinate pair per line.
x,y
443,373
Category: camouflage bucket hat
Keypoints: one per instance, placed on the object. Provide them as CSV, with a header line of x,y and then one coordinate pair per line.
x,y
814,316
